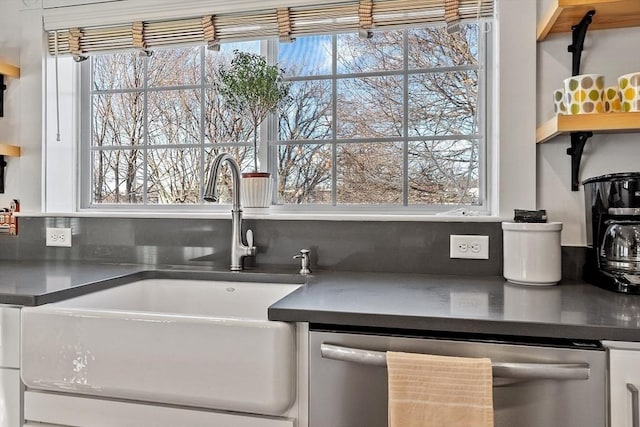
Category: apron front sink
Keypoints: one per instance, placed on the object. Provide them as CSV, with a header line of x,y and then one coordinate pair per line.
x,y
189,342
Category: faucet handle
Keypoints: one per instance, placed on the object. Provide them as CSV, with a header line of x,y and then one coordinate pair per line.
x,y
250,238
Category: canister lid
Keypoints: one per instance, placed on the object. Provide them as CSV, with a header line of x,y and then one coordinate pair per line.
x,y
532,226
613,177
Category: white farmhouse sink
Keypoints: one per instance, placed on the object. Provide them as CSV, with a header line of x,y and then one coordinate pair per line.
x,y
189,342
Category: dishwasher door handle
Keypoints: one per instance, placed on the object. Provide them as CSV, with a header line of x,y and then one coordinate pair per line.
x,y
523,371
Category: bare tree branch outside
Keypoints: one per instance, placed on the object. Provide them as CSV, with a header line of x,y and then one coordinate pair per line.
x,y
391,120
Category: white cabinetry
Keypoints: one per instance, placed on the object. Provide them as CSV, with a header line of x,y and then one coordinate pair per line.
x,y
10,383
67,410
55,408
624,383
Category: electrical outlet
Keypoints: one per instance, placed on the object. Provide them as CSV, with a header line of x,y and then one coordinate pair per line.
x,y
59,237
474,247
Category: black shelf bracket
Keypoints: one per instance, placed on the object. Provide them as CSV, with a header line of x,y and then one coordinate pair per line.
x,y
578,33
2,89
578,140
2,166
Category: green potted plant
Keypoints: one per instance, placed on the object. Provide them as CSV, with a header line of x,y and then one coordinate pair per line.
x,y
252,88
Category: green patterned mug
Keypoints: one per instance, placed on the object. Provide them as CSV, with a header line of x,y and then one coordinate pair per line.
x,y
611,98
629,85
583,94
558,102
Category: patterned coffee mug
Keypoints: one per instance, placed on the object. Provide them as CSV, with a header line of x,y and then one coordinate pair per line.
x,y
630,91
558,102
583,94
611,98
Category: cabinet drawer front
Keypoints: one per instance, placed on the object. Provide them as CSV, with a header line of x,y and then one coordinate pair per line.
x,y
624,369
10,398
9,337
61,409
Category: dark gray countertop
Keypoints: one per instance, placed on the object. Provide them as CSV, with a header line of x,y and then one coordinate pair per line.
x,y
40,282
462,304
33,283
455,304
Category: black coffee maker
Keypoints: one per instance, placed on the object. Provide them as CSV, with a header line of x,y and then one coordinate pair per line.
x,y
613,231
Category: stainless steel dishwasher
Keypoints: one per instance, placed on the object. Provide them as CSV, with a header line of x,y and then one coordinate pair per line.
x,y
536,384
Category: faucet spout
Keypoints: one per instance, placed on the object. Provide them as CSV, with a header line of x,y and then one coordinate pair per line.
x,y
238,249
210,191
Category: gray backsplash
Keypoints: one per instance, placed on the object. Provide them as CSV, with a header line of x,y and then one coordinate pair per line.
x,y
409,247
412,247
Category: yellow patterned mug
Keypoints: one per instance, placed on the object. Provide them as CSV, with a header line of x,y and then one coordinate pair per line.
x,y
558,102
611,98
583,94
629,85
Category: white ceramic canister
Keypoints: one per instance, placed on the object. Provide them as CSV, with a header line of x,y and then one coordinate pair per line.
x,y
532,253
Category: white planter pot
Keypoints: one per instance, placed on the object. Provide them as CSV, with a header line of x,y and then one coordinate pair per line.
x,y
256,190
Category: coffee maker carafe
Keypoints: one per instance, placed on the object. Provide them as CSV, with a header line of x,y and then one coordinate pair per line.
x,y
613,231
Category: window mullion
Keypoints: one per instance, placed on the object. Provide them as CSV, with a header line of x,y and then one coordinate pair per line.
x,y
203,94
266,128
270,146
86,137
483,106
334,120
145,128
405,118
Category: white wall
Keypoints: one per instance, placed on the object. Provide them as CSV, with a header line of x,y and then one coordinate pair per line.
x,y
20,44
9,124
607,52
59,144
516,132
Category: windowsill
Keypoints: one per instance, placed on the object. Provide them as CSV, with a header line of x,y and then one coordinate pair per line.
x,y
277,216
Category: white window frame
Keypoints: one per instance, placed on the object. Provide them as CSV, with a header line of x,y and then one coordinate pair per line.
x,y
85,151
483,136
511,161
269,135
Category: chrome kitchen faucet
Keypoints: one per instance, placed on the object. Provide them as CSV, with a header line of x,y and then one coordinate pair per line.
x,y
238,249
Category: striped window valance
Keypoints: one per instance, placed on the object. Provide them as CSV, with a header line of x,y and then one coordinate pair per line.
x,y
283,23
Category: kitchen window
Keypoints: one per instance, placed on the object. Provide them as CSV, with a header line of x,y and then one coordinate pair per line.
x,y
396,120
392,122
504,121
155,125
